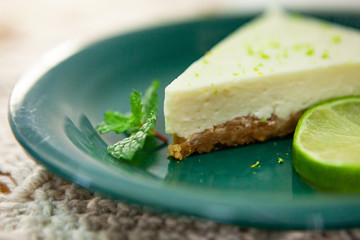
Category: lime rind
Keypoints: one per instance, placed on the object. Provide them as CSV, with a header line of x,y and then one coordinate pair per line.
x,y
326,146
325,176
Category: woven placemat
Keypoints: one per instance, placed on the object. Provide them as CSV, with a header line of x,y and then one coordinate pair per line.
x,y
35,204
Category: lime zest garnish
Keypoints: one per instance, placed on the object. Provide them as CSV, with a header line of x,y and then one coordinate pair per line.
x,y
255,164
336,39
325,55
310,52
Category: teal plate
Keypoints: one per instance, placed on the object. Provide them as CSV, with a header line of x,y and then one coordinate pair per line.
x,y
54,108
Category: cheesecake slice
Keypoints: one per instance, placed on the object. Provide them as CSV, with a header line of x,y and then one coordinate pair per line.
x,y
256,83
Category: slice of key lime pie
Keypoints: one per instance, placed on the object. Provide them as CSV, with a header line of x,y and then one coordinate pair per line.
x,y
255,84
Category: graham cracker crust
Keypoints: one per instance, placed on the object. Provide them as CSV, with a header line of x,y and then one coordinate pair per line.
x,y
239,131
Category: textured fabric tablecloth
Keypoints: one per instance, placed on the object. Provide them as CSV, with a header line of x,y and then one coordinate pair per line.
x,y
34,204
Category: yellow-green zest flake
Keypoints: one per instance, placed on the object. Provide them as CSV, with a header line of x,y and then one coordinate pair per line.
x,y
325,55
265,56
336,39
310,52
250,51
255,164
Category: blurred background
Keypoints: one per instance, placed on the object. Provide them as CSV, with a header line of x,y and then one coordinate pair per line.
x,y
28,29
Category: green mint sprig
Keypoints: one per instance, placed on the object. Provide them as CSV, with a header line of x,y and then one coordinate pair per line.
x,y
138,124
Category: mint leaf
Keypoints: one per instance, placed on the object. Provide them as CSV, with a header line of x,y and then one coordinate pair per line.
x,y
139,123
114,121
126,148
150,100
136,108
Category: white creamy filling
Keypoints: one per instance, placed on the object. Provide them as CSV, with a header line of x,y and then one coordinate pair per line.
x,y
189,112
277,64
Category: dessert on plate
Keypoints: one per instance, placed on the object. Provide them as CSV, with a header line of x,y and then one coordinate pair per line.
x,y
256,83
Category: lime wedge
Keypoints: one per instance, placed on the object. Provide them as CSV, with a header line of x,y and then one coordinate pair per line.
x,y
326,146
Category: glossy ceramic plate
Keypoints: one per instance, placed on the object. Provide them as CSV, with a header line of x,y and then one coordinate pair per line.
x,y
54,108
